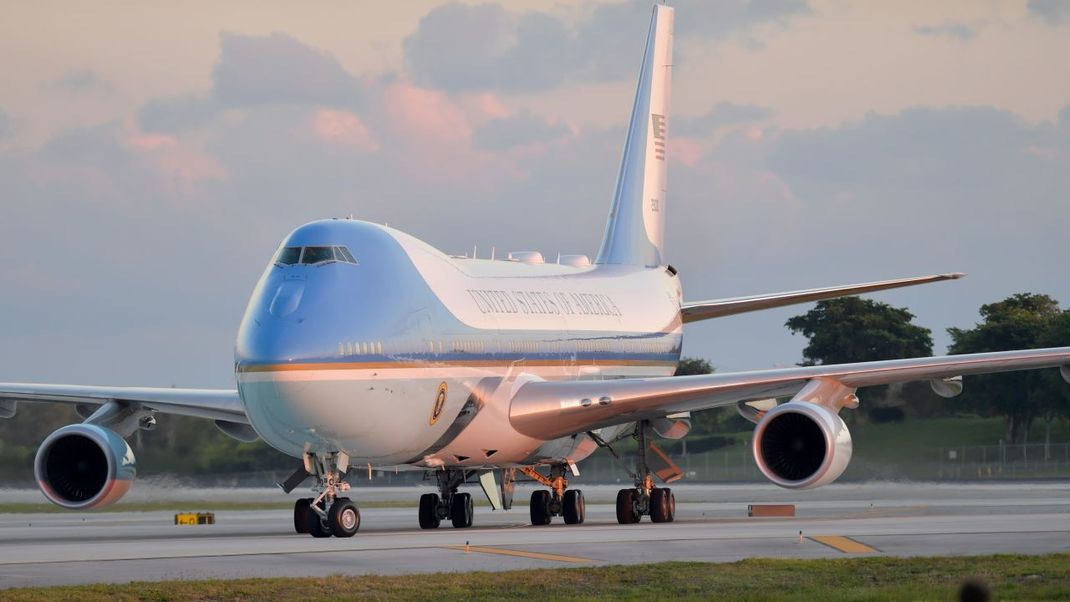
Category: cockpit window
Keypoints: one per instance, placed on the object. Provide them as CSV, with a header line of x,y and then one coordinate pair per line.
x,y
317,254
313,255
348,257
288,255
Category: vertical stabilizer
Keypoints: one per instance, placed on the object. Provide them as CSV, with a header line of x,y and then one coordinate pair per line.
x,y
636,227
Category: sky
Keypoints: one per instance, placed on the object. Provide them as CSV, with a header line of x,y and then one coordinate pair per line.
x,y
153,155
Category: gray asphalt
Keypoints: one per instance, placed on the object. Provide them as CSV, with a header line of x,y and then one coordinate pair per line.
x,y
891,519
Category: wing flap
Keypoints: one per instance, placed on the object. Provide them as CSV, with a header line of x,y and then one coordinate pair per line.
x,y
704,310
215,404
551,409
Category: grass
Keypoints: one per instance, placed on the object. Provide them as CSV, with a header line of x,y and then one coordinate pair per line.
x,y
1008,577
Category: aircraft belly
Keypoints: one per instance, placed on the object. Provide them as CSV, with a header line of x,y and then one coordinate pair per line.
x,y
381,421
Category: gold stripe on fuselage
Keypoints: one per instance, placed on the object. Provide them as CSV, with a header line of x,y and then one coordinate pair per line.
x,y
455,363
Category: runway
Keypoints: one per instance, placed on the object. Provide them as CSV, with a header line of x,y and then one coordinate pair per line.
x,y
888,519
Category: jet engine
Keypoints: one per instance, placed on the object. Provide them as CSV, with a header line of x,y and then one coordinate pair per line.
x,y
84,466
802,445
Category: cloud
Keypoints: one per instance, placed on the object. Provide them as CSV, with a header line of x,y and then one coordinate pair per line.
x,y
964,32
1064,115
177,113
279,69
485,46
521,129
7,125
258,71
722,114
83,80
1052,12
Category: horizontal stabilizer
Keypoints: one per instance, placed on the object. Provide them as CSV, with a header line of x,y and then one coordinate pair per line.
x,y
718,308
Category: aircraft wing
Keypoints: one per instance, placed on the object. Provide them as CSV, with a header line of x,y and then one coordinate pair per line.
x,y
215,404
551,409
704,310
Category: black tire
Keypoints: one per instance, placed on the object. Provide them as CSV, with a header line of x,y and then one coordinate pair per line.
x,y
316,526
343,518
429,511
461,510
671,505
627,512
659,506
540,507
301,514
573,507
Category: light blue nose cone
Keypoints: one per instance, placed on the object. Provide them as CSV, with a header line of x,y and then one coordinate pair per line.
x,y
287,298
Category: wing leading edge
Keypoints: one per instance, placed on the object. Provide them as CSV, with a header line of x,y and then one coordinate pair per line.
x,y
214,404
717,308
551,409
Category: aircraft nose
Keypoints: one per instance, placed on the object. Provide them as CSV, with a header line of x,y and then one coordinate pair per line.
x,y
287,298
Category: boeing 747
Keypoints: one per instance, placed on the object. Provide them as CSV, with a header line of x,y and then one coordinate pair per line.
x,y
364,347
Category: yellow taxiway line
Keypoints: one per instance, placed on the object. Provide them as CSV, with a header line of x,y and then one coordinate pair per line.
x,y
844,544
521,553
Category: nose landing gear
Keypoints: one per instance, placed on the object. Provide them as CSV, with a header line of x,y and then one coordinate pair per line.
x,y
457,507
327,514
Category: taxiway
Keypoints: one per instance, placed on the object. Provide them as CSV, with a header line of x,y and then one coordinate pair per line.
x,y
838,521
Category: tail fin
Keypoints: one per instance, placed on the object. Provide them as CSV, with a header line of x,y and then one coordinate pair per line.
x,y
636,227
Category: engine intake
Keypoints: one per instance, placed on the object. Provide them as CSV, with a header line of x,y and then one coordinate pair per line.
x,y
84,466
801,445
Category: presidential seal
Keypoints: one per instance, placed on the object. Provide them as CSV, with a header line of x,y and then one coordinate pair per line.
x,y
440,402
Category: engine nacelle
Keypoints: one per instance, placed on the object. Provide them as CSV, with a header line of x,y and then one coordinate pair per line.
x,y
801,445
84,466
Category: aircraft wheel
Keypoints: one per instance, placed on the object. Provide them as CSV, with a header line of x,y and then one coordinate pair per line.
x,y
316,526
343,518
429,511
461,510
574,508
301,510
659,506
627,509
540,507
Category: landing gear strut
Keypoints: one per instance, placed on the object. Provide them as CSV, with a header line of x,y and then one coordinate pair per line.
x,y
448,503
645,499
558,501
328,513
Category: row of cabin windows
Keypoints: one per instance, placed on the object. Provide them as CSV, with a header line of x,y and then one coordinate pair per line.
x,y
313,255
511,346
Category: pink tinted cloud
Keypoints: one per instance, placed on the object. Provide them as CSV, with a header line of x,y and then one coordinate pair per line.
x,y
427,115
685,150
181,167
343,127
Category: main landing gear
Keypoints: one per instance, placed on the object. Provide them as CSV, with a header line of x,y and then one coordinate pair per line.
x,y
558,501
645,499
448,503
327,514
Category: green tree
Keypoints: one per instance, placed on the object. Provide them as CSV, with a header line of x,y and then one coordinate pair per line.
x,y
705,422
1022,321
851,329
693,365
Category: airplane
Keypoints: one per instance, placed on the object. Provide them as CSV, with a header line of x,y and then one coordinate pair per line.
x,y
364,347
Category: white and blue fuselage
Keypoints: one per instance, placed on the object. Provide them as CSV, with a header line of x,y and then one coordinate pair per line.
x,y
383,357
